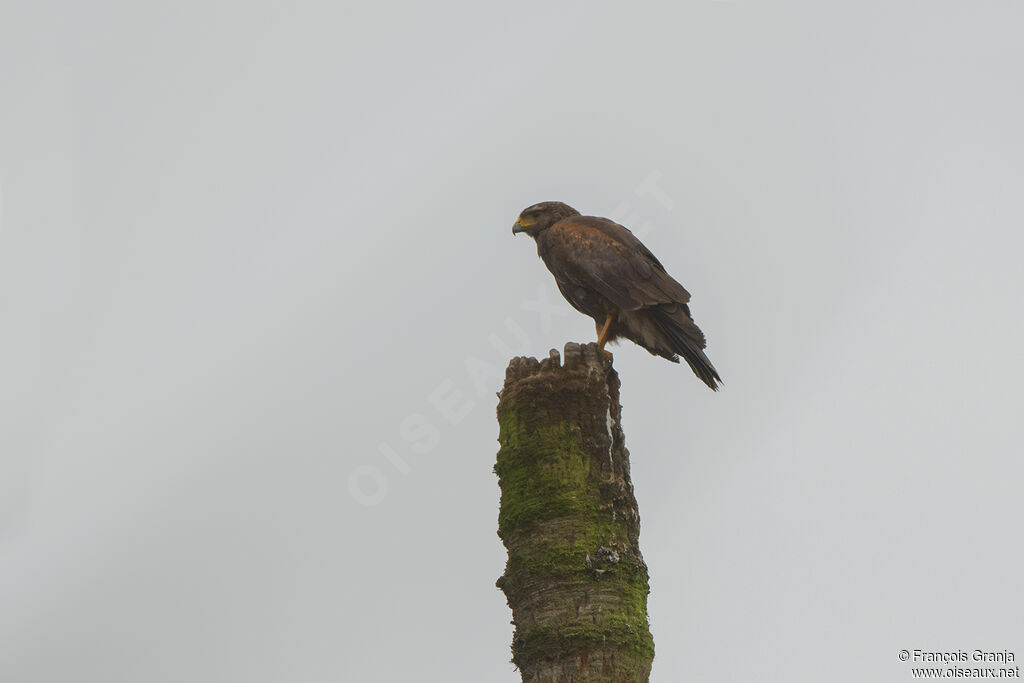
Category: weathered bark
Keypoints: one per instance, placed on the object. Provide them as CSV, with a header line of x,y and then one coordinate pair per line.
x,y
575,579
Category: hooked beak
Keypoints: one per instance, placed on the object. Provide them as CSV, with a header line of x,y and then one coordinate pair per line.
x,y
522,224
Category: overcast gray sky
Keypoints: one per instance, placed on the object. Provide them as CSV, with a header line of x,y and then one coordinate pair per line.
x,y
247,250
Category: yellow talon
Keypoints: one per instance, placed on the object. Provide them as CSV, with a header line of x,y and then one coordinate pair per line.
x,y
602,336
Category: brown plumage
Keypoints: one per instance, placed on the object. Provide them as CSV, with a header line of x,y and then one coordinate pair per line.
x,y
604,271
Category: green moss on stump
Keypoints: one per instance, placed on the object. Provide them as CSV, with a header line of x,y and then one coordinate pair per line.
x,y
575,578
554,642
542,477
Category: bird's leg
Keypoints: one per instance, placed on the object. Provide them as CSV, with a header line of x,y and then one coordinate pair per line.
x,y
602,336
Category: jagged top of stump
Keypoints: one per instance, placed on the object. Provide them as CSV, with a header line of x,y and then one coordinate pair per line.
x,y
583,362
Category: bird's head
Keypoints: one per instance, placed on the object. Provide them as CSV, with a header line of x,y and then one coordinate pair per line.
x,y
542,216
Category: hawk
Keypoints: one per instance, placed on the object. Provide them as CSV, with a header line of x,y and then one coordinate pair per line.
x,y
604,271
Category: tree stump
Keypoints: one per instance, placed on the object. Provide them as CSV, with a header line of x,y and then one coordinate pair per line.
x,y
575,579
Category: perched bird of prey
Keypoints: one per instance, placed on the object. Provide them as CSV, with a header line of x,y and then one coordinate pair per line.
x,y
604,271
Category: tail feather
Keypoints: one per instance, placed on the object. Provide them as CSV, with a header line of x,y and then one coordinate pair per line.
x,y
685,338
